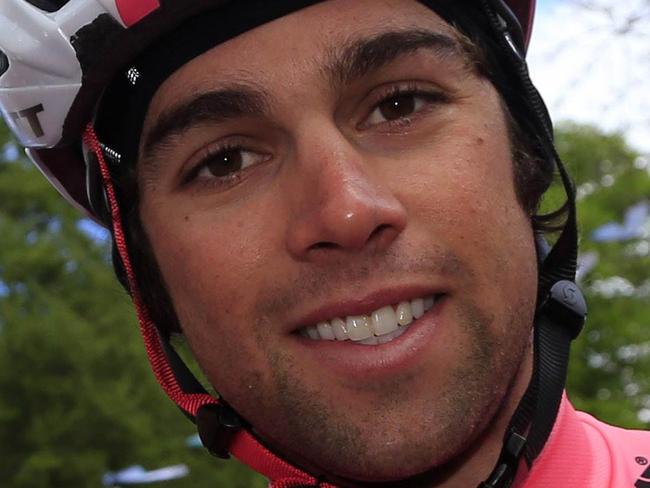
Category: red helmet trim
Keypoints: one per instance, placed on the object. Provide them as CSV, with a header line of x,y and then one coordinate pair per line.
x,y
133,11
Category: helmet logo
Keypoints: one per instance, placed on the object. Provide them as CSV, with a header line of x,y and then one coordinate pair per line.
x,y
31,116
569,295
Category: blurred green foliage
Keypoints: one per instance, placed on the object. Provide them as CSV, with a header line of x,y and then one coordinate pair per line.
x,y
76,395
610,367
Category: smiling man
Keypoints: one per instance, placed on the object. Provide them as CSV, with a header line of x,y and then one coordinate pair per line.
x,y
335,204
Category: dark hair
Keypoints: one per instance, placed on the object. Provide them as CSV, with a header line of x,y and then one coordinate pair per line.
x,y
533,172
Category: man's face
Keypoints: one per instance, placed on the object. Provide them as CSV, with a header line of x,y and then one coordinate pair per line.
x,y
341,160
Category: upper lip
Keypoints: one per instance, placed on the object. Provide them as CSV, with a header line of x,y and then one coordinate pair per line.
x,y
362,306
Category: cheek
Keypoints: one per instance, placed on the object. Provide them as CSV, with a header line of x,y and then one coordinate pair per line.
x,y
206,255
461,194
465,179
211,269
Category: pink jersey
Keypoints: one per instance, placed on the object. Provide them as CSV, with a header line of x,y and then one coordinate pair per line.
x,y
584,452
581,452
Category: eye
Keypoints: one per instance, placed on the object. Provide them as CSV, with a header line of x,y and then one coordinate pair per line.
x,y
400,104
396,107
224,164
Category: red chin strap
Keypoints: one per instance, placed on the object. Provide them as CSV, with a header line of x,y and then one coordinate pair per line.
x,y
243,444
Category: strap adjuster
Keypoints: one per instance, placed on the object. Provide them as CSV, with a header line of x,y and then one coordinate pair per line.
x,y
217,425
508,462
566,305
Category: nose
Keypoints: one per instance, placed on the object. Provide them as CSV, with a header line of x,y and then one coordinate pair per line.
x,y
341,203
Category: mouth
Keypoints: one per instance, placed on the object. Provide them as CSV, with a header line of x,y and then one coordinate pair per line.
x,y
380,326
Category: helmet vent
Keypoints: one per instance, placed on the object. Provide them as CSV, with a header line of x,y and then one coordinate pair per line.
x,y
4,63
48,5
132,75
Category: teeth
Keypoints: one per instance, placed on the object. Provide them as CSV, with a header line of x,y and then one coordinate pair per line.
x,y
370,341
404,314
359,327
340,330
384,321
380,327
393,335
417,307
325,331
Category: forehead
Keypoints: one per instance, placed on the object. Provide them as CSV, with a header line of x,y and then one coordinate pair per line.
x,y
307,39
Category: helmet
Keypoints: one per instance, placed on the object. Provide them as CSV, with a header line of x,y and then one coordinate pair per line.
x,y
57,60
57,57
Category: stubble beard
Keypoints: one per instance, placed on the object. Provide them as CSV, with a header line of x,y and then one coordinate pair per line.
x,y
399,435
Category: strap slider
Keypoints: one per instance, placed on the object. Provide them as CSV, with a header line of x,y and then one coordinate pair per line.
x,y
514,447
508,462
566,305
217,424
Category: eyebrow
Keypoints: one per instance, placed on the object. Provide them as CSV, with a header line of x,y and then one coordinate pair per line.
x,y
350,62
214,106
362,56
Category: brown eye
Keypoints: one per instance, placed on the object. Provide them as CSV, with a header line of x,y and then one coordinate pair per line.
x,y
225,162
398,106
402,104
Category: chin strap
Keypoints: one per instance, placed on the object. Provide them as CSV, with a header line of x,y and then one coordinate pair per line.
x,y
189,402
560,320
561,310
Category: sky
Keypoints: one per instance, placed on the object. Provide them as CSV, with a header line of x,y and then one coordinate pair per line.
x,y
591,66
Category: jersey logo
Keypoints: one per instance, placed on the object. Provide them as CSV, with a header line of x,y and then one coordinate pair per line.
x,y
644,480
31,116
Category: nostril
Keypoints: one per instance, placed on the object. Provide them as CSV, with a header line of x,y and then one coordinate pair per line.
x,y
378,231
324,246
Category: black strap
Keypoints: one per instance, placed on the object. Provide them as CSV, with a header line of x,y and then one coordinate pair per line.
x,y
560,321
554,342
561,308
182,373
216,423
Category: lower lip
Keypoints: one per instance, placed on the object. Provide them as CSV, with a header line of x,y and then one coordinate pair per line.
x,y
358,361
